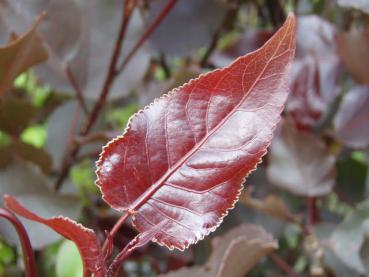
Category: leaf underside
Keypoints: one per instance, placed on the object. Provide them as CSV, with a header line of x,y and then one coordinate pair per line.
x,y
183,159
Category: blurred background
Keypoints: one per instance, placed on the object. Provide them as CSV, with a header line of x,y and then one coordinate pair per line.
x,y
311,191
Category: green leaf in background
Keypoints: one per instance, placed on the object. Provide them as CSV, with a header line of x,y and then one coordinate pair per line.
x,y
6,254
83,176
4,138
47,261
68,261
120,116
35,135
28,82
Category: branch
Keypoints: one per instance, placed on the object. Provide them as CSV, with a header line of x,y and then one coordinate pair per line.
x,y
164,12
128,8
140,240
313,211
230,16
29,259
112,73
283,265
77,89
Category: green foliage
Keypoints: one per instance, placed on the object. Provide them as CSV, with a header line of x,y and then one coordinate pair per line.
x,y
35,135
68,261
38,93
4,138
7,255
120,116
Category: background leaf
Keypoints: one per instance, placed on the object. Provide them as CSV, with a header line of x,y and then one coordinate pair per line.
x,y
234,254
190,25
348,238
68,260
350,118
361,5
27,183
20,54
352,48
300,163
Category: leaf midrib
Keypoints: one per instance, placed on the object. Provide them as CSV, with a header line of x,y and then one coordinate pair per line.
x,y
142,199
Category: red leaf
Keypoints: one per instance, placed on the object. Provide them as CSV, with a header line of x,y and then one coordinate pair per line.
x,y
183,158
85,239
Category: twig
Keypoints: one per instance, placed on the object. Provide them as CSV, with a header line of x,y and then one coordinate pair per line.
x,y
276,12
286,268
114,266
29,259
164,12
77,89
112,73
313,212
212,46
128,8
231,15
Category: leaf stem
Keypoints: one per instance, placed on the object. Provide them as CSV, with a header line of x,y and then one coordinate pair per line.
x,y
79,95
164,12
113,232
313,212
29,259
114,266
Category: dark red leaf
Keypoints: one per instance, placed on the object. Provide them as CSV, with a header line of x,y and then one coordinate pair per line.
x,y
182,159
85,239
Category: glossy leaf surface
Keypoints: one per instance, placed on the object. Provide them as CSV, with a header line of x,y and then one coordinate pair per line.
x,y
84,238
182,160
